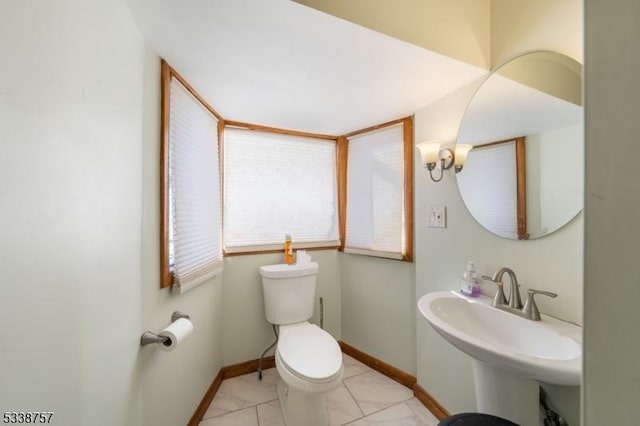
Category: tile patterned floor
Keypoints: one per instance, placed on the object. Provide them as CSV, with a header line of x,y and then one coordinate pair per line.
x,y
365,397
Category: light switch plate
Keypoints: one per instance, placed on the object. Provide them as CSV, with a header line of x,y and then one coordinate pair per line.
x,y
437,217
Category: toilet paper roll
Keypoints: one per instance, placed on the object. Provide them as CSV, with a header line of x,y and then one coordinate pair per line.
x,y
176,332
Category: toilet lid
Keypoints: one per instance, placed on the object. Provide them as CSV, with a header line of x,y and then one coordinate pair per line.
x,y
309,351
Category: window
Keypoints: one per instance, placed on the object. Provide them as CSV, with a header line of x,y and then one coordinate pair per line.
x,y
352,192
492,187
191,249
379,178
277,184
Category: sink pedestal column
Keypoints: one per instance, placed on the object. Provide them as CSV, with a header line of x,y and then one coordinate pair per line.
x,y
505,394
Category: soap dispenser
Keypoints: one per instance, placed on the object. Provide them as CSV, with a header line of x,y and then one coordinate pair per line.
x,y
470,283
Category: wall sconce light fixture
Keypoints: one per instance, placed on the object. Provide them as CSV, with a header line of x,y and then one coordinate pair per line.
x,y
433,156
461,155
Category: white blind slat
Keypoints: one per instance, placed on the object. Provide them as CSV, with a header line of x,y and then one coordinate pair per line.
x,y
194,185
278,184
375,191
488,185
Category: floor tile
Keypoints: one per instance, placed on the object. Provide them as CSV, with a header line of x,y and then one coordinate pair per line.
x,y
353,367
244,391
246,417
396,415
341,406
365,397
374,391
269,414
425,416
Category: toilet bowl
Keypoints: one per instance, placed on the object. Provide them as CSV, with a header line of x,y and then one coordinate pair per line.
x,y
308,359
309,362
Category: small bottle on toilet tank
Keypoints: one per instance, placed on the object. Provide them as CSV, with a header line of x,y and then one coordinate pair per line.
x,y
288,249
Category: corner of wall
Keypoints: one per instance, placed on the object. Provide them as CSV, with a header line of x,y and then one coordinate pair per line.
x,y
457,29
193,366
519,27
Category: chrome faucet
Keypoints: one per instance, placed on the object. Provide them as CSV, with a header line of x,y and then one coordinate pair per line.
x,y
514,304
514,301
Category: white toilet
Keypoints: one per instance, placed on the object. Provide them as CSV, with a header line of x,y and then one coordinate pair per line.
x,y
308,359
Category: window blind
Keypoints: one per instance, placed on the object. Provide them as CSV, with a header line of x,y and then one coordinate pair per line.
x,y
375,193
195,243
277,184
488,185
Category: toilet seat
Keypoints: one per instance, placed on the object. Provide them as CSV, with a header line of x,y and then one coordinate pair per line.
x,y
309,352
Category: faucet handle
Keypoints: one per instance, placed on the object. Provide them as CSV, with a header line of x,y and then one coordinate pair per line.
x,y
499,298
530,309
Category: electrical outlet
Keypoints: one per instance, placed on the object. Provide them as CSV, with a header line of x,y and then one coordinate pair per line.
x,y
437,217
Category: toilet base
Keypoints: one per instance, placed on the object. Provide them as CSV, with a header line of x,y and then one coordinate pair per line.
x,y
302,408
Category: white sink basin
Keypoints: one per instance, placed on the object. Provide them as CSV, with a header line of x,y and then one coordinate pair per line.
x,y
548,351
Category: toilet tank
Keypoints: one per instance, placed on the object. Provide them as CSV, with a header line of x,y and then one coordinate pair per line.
x,y
289,292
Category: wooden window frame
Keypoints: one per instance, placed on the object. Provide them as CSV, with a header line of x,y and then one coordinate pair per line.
x,y
408,146
286,132
521,182
167,73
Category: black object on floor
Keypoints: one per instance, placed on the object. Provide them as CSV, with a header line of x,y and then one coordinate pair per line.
x,y
475,419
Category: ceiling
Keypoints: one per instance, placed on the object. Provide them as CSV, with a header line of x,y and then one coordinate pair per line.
x,y
278,63
503,109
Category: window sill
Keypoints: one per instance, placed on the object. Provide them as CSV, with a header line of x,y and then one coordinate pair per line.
x,y
179,289
375,253
278,248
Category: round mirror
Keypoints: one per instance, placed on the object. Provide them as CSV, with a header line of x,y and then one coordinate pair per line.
x,y
523,179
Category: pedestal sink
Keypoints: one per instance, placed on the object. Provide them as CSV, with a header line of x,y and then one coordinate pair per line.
x,y
510,354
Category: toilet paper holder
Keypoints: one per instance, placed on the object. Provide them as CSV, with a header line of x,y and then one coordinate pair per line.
x,y
149,337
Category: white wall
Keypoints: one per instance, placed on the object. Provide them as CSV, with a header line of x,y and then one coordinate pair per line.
x,y
378,310
79,99
612,235
70,131
553,263
173,384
